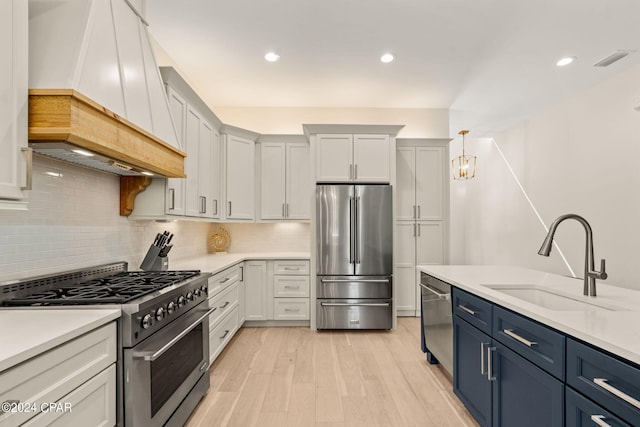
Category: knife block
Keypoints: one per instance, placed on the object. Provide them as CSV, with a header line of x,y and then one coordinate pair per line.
x,y
153,261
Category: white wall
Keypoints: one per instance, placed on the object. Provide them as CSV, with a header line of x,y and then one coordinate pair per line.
x,y
74,222
582,157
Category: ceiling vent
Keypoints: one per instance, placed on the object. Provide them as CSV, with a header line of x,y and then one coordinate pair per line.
x,y
614,57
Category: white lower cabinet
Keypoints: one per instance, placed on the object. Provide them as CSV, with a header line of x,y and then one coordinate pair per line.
x,y
256,298
81,370
291,308
224,291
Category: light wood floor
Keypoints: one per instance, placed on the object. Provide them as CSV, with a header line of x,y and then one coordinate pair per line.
x,y
297,377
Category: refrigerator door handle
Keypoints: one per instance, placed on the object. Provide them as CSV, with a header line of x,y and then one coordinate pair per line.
x,y
357,234
351,227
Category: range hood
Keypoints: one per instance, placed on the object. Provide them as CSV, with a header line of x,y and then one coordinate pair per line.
x,y
96,96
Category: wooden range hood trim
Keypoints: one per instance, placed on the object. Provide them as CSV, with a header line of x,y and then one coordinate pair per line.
x,y
130,187
57,115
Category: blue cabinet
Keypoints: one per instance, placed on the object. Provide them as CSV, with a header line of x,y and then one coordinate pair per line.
x,y
581,412
470,382
496,375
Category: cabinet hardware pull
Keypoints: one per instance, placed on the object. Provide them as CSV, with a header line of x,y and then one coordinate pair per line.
x,y
418,211
229,208
415,215
291,287
203,204
241,274
215,205
292,268
490,376
28,151
468,310
418,227
172,191
355,173
415,230
519,338
351,171
602,382
225,334
483,371
599,420
440,295
226,303
287,209
283,213
225,280
292,310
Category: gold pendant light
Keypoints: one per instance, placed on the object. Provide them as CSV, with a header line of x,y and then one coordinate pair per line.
x,y
463,166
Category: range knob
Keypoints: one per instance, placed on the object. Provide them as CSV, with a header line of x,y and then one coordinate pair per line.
x,y
160,313
181,301
204,290
171,307
147,321
189,296
197,292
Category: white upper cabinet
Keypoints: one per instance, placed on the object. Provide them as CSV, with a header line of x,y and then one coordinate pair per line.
x,y
406,183
285,189
208,171
239,177
353,158
175,202
419,174
15,156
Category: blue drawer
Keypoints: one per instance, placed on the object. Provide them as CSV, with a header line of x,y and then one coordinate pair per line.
x,y
605,379
473,309
532,340
581,412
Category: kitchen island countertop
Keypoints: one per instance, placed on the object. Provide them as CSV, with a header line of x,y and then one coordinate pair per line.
x,y
613,330
25,333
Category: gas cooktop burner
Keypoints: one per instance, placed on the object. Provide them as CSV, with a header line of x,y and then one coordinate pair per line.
x,y
115,289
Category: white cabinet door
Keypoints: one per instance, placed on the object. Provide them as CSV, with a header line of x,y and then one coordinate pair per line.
x,y
205,170
215,166
176,186
406,183
273,180
405,260
192,147
371,158
429,247
13,102
298,188
256,297
334,158
429,176
240,172
242,303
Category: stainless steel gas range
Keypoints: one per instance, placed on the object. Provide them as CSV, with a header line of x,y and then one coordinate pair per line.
x,y
163,334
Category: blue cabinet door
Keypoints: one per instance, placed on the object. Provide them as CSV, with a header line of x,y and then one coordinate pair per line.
x,y
523,394
470,382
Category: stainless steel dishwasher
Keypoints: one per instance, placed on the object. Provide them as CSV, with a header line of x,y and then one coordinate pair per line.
x,y
437,321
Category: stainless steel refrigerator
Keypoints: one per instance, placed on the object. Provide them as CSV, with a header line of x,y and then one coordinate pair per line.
x,y
354,238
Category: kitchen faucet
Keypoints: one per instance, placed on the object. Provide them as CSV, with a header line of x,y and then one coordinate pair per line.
x,y
590,275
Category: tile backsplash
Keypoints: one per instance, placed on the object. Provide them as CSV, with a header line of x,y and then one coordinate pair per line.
x,y
73,222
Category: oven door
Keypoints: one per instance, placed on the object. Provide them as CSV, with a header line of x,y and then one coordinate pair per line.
x,y
161,372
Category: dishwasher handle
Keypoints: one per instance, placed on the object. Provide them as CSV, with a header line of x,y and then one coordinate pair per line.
x,y
436,292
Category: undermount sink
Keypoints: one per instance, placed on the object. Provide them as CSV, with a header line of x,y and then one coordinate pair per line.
x,y
551,299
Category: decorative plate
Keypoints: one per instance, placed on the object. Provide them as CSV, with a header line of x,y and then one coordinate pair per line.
x,y
220,240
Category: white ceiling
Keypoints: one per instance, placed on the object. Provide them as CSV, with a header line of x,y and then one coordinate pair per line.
x,y
492,62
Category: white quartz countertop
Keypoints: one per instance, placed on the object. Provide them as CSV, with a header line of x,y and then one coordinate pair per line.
x,y
215,263
611,326
25,333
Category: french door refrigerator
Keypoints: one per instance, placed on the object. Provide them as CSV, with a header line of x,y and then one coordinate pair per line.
x,y
354,256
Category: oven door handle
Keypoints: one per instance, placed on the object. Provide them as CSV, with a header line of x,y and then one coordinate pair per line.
x,y
150,357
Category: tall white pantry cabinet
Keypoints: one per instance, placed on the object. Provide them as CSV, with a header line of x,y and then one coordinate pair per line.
x,y
15,155
421,215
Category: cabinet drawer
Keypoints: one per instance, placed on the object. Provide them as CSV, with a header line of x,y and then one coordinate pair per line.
x,y
222,334
299,267
224,279
291,308
531,340
91,404
581,412
291,286
471,308
51,375
224,302
611,382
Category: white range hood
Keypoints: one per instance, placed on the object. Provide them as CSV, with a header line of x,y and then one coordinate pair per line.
x,y
95,85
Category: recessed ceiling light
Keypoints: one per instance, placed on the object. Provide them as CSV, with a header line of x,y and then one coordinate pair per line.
x,y
565,61
147,173
387,57
272,56
83,153
54,174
